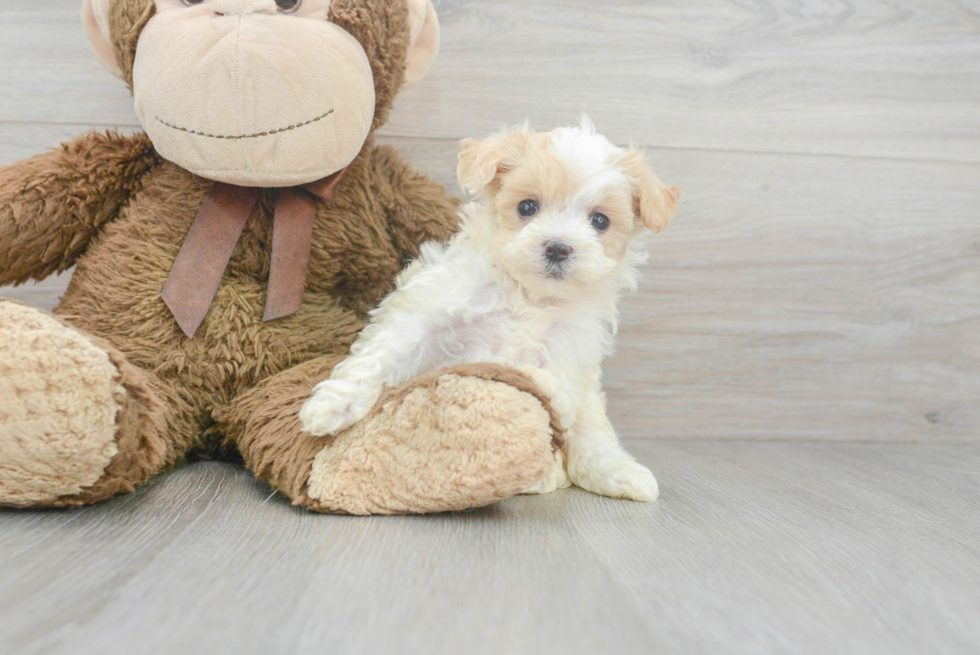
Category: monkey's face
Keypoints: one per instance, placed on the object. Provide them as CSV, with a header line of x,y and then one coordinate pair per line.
x,y
265,92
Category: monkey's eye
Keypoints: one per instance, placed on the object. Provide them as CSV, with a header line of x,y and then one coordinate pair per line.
x,y
528,208
288,6
599,221
191,3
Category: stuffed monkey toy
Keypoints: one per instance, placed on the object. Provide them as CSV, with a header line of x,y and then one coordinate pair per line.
x,y
225,261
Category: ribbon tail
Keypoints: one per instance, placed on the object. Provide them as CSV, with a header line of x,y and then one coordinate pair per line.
x,y
292,238
208,248
327,187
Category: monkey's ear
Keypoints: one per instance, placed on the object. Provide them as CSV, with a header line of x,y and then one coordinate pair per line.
x,y
95,17
424,25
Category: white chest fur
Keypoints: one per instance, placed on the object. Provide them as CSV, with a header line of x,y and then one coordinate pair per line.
x,y
455,307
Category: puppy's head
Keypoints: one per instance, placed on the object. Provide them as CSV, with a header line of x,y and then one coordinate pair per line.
x,y
563,205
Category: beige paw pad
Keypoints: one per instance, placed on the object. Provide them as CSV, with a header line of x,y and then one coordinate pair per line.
x,y
57,408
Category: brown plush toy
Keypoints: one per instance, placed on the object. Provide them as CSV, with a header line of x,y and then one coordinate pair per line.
x,y
226,259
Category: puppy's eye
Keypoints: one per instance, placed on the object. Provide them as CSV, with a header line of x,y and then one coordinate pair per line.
x,y
528,208
599,221
191,3
288,6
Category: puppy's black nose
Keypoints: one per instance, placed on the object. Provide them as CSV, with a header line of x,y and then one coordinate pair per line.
x,y
557,251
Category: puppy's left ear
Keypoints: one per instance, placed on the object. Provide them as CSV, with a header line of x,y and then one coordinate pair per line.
x,y
654,203
483,161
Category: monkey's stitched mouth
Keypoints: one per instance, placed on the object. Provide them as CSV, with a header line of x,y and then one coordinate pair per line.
x,y
235,137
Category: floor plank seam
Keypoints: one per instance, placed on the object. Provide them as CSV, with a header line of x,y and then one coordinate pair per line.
x,y
823,442
692,149
724,151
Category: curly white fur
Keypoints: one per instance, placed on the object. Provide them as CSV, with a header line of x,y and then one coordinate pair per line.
x,y
492,295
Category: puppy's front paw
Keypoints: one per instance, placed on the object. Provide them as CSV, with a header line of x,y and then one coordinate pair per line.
x,y
616,477
335,406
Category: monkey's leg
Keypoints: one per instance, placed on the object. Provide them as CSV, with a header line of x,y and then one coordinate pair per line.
x,y
78,423
459,438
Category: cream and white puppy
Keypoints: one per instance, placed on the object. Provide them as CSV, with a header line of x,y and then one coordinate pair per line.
x,y
547,246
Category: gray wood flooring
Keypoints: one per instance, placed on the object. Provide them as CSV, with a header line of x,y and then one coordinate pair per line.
x,y
753,548
800,368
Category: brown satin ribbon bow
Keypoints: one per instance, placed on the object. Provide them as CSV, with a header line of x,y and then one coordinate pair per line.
x,y
209,245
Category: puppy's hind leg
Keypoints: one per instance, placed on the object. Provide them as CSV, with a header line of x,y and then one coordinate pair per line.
x,y
596,461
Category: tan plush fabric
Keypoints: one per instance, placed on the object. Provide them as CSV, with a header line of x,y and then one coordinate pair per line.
x,y
95,19
58,408
201,116
153,425
424,48
462,437
446,442
332,80
119,212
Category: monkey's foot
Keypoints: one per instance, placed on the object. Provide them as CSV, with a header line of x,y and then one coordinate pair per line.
x,y
459,438
64,402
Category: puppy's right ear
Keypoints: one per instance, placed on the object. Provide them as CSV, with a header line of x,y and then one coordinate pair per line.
x,y
483,161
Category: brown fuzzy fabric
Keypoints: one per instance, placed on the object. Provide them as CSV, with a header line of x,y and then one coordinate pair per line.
x,y
384,209
381,27
145,427
52,205
265,426
111,206
155,426
127,18
460,437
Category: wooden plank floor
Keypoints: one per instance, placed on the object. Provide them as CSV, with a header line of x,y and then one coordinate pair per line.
x,y
753,548
800,368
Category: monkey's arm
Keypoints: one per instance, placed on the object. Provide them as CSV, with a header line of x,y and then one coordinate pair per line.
x,y
410,209
53,204
419,210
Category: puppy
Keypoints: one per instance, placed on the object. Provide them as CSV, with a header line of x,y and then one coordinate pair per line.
x,y
546,247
